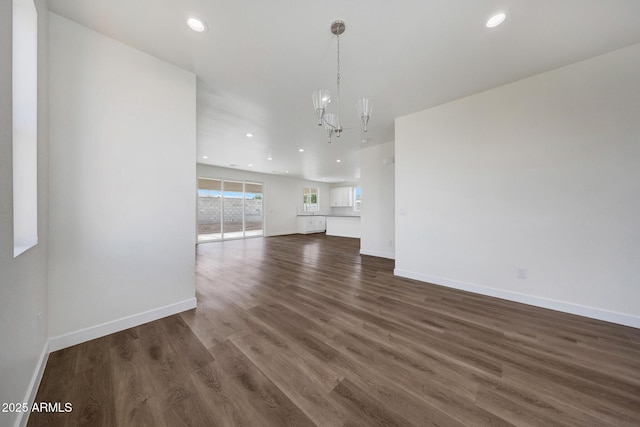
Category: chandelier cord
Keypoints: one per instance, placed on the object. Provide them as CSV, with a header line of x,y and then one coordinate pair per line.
x,y
338,80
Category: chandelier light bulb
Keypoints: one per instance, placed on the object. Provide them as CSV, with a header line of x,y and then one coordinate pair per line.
x,y
321,99
330,124
363,106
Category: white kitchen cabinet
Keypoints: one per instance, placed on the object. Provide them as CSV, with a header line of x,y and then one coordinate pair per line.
x,y
341,196
311,224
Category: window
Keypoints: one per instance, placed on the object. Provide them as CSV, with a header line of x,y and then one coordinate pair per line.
x,y
311,200
357,199
25,125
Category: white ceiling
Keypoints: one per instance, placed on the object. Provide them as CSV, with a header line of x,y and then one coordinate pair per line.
x,y
260,60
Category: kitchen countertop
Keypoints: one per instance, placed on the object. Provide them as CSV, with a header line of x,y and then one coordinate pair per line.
x,y
332,215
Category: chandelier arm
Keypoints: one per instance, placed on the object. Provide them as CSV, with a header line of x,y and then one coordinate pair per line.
x,y
332,126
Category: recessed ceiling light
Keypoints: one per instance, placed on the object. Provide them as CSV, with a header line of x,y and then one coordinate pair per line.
x,y
250,164
301,150
205,157
269,158
249,135
196,25
496,20
338,161
286,171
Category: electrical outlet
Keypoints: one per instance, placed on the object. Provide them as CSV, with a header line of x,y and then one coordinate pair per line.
x,y
522,273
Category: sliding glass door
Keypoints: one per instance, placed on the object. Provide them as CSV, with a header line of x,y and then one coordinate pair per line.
x,y
229,209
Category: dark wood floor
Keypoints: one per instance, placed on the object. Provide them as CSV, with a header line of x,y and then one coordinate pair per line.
x,y
302,330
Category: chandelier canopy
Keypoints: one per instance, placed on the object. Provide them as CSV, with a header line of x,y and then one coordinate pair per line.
x,y
322,97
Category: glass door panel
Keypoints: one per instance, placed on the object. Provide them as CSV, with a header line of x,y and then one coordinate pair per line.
x,y
233,209
209,209
253,217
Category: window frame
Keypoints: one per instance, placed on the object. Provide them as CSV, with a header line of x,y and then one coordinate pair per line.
x,y
307,196
357,202
24,74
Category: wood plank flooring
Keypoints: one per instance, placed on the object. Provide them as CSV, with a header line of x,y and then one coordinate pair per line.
x,y
302,330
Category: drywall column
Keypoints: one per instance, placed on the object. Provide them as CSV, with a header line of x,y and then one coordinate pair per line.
x,y
122,189
377,222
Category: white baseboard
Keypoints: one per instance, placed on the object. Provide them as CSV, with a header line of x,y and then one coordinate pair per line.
x,y
380,254
580,310
93,332
23,417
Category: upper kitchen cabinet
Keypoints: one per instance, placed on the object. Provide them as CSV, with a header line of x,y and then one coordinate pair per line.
x,y
341,197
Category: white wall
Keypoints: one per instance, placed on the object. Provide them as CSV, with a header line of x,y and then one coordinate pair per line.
x,y
542,174
122,174
377,222
23,280
283,196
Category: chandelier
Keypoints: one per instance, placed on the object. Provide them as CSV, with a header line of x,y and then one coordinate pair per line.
x,y
322,97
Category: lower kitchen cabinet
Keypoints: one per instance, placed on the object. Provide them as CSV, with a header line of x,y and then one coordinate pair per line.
x,y
311,224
